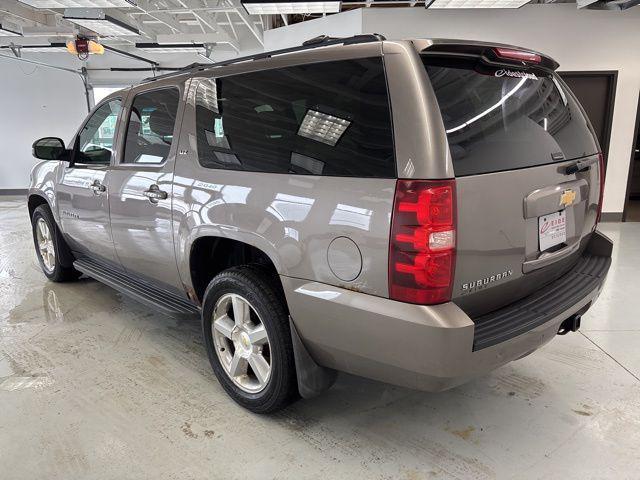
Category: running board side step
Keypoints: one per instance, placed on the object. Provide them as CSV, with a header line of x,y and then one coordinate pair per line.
x,y
140,291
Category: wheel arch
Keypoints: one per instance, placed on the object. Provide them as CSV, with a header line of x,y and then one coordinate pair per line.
x,y
35,200
211,254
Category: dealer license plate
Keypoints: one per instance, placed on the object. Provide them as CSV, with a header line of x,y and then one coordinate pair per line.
x,y
552,230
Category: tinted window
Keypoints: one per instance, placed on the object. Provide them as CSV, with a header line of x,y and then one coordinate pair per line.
x,y
95,142
320,119
150,129
498,119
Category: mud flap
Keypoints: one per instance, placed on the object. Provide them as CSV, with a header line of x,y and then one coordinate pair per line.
x,y
64,252
312,378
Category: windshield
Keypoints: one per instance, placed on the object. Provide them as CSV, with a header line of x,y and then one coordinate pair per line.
x,y
503,119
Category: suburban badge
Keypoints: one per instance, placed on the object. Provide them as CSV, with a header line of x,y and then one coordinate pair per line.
x,y
480,283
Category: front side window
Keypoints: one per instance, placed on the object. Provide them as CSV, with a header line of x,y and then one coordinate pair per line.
x,y
95,142
327,118
150,128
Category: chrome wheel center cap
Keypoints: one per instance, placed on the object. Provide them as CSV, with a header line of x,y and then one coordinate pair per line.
x,y
244,340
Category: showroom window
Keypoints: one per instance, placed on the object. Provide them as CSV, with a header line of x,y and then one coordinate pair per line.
x,y
150,129
321,119
95,142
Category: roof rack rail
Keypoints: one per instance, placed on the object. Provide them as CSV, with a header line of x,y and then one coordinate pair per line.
x,y
320,41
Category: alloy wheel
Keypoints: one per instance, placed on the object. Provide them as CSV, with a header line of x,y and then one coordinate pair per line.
x,y
241,343
46,247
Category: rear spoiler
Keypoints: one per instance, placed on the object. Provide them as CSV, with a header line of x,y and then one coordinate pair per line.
x,y
491,53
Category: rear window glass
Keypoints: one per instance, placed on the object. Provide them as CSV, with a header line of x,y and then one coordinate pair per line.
x,y
502,119
327,118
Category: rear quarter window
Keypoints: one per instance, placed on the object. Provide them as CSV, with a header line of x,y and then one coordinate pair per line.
x,y
499,119
328,118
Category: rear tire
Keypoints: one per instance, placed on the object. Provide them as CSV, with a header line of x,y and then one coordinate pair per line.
x,y
49,246
252,356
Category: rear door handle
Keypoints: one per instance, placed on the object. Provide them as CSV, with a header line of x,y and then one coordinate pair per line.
x,y
154,194
579,166
97,187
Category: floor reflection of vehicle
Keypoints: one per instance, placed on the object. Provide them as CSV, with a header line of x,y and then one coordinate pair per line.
x,y
419,220
52,308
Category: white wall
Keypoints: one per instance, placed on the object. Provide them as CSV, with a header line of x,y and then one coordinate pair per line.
x,y
342,25
577,39
35,102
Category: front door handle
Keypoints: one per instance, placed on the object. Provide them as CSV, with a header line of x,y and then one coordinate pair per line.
x,y
154,194
97,187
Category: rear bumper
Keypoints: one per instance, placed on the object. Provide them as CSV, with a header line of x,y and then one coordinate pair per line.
x,y
434,347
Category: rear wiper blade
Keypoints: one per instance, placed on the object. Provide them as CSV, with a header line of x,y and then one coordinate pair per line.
x,y
579,166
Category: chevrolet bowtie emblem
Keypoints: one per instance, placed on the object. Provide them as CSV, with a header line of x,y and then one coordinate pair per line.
x,y
567,198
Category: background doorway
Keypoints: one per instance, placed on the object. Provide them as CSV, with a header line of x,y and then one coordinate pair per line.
x,y
632,205
596,91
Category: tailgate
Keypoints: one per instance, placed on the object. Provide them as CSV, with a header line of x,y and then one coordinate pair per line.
x,y
527,174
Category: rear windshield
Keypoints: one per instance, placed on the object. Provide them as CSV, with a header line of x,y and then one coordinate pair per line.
x,y
503,119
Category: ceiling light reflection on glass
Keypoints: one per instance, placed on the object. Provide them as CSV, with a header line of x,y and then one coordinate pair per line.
x,y
261,7
322,127
490,109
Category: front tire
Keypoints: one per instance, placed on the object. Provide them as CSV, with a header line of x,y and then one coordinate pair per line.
x,y
49,245
248,340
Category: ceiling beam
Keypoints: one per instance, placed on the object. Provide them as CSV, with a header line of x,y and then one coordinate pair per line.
x,y
233,28
29,15
145,6
247,19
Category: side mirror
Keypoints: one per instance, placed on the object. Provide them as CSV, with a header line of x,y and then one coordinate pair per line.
x,y
49,148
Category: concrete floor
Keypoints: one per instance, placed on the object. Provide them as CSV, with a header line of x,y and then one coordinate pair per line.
x,y
94,385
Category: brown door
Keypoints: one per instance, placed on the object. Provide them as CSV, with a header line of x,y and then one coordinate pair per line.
x,y
596,93
632,205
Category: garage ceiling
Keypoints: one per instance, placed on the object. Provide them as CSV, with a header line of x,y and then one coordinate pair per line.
x,y
201,27
222,24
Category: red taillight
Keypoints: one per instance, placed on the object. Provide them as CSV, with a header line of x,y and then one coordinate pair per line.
x,y
511,54
423,239
602,176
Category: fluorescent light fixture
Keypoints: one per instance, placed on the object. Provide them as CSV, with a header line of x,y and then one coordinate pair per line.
x,y
262,7
80,3
476,3
7,32
51,48
322,127
172,47
105,26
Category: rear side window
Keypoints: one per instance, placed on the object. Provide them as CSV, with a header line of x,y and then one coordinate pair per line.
x,y
150,129
320,119
501,119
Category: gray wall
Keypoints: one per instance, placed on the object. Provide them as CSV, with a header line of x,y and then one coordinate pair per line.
x,y
35,102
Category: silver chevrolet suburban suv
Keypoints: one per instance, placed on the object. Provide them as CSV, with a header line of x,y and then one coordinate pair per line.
x,y
416,212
